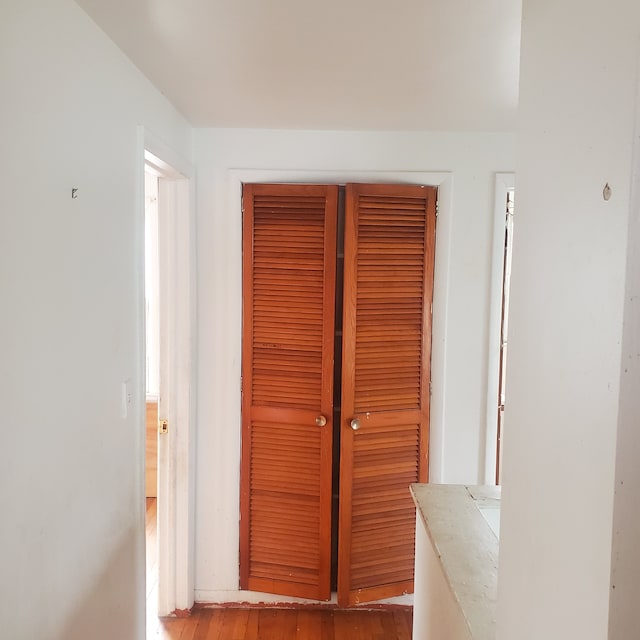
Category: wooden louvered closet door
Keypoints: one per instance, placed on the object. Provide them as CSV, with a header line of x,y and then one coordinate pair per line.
x,y
289,261
388,282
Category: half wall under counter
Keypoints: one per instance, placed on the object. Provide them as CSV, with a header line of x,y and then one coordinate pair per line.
x,y
456,573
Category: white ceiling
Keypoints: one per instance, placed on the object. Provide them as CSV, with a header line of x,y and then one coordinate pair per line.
x,y
330,64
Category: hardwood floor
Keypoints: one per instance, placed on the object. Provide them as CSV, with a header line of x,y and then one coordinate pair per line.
x,y
236,623
287,624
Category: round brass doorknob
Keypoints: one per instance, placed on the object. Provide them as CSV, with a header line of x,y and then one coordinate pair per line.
x,y
355,424
321,421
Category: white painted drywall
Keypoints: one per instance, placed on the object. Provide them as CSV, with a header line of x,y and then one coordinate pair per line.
x,y
221,155
625,553
437,614
71,481
577,109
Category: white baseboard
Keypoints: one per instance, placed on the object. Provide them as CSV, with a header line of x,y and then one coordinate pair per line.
x,y
205,596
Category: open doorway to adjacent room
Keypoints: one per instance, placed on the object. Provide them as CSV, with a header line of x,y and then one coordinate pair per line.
x,y
169,312
499,323
152,382
504,324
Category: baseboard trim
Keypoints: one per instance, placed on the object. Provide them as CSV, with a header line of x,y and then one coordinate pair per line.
x,y
249,599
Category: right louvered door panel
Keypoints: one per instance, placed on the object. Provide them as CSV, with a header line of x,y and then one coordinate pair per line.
x,y
289,258
388,281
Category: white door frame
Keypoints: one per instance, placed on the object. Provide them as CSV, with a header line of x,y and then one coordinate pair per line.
x,y
176,403
503,183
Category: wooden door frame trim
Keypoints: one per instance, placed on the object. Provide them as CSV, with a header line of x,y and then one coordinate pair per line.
x,y
443,180
503,183
176,469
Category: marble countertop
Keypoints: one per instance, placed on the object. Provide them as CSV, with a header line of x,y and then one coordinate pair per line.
x,y
466,546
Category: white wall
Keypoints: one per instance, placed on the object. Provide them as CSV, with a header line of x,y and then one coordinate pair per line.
x,y
223,158
577,109
437,614
625,554
71,485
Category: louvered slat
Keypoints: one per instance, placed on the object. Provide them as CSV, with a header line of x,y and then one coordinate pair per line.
x,y
390,233
288,292
383,458
284,504
389,242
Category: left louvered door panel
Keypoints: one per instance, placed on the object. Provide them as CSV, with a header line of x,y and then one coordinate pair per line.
x,y
289,258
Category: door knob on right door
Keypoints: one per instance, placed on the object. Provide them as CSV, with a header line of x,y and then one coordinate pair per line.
x,y
355,424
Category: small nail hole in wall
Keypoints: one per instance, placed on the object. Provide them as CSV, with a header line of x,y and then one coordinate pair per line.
x,y
606,192
74,193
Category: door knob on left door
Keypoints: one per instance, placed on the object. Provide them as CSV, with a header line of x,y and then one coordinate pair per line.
x,y
321,421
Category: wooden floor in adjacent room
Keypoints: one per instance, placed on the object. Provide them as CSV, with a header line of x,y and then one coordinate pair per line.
x,y
234,623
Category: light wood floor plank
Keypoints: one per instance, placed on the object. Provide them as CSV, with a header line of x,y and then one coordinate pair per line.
x,y
204,622
310,625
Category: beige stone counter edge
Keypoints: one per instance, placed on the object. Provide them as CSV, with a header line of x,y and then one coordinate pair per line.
x,y
466,547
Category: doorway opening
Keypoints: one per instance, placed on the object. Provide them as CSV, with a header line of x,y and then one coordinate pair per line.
x,y
152,388
504,323
504,203
168,372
